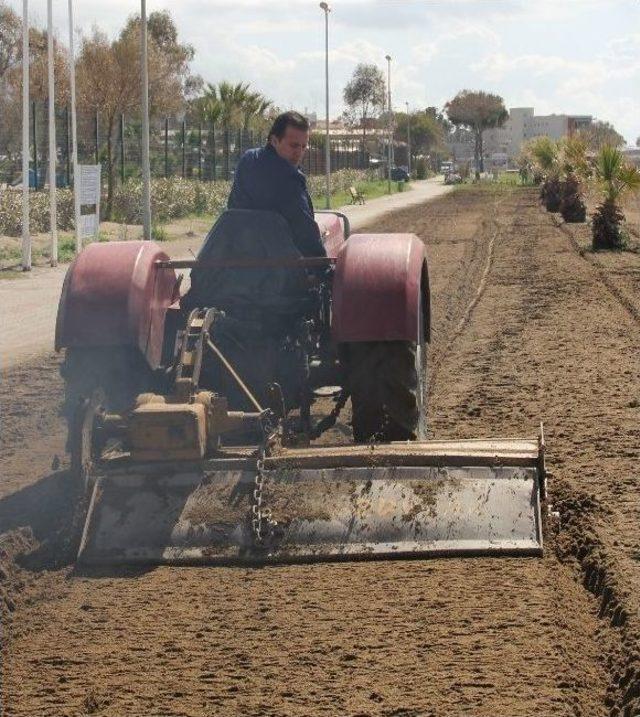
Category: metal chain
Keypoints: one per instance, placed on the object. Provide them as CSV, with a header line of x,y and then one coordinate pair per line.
x,y
330,421
262,524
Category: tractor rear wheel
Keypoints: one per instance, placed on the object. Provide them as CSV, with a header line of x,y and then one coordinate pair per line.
x,y
86,442
387,382
97,379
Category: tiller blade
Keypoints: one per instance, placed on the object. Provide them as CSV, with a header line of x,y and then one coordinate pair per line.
x,y
394,500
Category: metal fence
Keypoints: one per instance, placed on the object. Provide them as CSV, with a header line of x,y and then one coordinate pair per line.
x,y
177,148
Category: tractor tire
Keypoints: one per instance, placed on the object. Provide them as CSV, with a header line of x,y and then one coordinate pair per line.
x,y
387,383
83,446
97,379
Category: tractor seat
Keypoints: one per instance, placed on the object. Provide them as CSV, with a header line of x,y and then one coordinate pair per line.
x,y
255,235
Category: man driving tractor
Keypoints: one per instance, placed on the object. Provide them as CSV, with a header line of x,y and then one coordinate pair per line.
x,y
269,178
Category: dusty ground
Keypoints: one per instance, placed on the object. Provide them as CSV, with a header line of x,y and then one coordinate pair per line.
x,y
547,339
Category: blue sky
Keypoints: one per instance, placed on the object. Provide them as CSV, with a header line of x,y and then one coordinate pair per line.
x,y
563,56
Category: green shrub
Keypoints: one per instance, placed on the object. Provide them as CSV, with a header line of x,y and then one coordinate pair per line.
x,y
171,198
66,250
341,180
159,233
11,211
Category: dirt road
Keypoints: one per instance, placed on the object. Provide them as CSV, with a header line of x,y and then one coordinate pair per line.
x,y
525,329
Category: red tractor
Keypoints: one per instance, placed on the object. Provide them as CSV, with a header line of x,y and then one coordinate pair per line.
x,y
166,386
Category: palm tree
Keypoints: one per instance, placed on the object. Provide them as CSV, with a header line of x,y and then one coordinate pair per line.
x,y
614,178
545,153
574,169
208,110
235,107
254,110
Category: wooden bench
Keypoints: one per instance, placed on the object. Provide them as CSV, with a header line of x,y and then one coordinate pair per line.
x,y
356,196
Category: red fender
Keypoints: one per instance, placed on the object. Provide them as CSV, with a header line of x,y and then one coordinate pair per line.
x,y
113,295
333,230
379,282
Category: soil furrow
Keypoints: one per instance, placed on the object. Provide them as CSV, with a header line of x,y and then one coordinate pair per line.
x,y
550,636
568,355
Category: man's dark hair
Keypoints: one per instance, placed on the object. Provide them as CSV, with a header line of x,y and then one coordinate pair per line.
x,y
288,119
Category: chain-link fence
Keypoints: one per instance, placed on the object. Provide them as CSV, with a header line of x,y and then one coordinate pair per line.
x,y
177,148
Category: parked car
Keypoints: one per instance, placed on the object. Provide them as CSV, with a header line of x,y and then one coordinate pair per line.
x,y
400,174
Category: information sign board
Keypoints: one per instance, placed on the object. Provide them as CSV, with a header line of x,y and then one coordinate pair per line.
x,y
90,195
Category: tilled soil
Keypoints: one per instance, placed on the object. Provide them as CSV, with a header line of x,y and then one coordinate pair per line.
x,y
525,330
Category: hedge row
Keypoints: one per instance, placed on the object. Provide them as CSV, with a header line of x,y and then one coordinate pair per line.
x,y
170,199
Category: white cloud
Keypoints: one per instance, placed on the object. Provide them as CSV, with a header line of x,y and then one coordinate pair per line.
x,y
351,52
497,65
555,55
458,33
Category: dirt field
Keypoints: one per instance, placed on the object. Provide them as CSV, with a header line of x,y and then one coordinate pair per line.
x,y
527,327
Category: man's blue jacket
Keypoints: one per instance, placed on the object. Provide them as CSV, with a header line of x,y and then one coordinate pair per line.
x,y
264,180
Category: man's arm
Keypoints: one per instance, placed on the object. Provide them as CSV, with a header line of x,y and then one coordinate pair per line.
x,y
295,208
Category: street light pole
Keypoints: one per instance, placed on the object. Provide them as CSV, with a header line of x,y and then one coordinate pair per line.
x,y
26,236
74,133
53,208
390,136
327,148
408,140
146,171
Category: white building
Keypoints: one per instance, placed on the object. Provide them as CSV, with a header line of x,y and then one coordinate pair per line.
x,y
502,145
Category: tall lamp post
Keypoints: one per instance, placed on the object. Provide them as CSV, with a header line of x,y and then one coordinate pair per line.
x,y
408,140
146,170
327,149
26,236
388,59
53,209
74,133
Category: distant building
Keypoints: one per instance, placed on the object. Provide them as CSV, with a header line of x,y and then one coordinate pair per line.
x,y
632,155
502,145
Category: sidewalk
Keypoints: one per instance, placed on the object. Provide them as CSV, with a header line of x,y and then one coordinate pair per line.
x,y
421,191
29,302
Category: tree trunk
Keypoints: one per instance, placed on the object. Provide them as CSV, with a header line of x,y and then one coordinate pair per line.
x,y
476,153
361,164
481,149
111,170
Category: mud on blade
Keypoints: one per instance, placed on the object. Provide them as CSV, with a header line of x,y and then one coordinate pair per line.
x,y
203,515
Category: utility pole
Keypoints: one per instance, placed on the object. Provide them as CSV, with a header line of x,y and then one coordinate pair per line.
x,y
26,237
67,145
34,139
327,10
146,169
53,207
74,134
390,125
